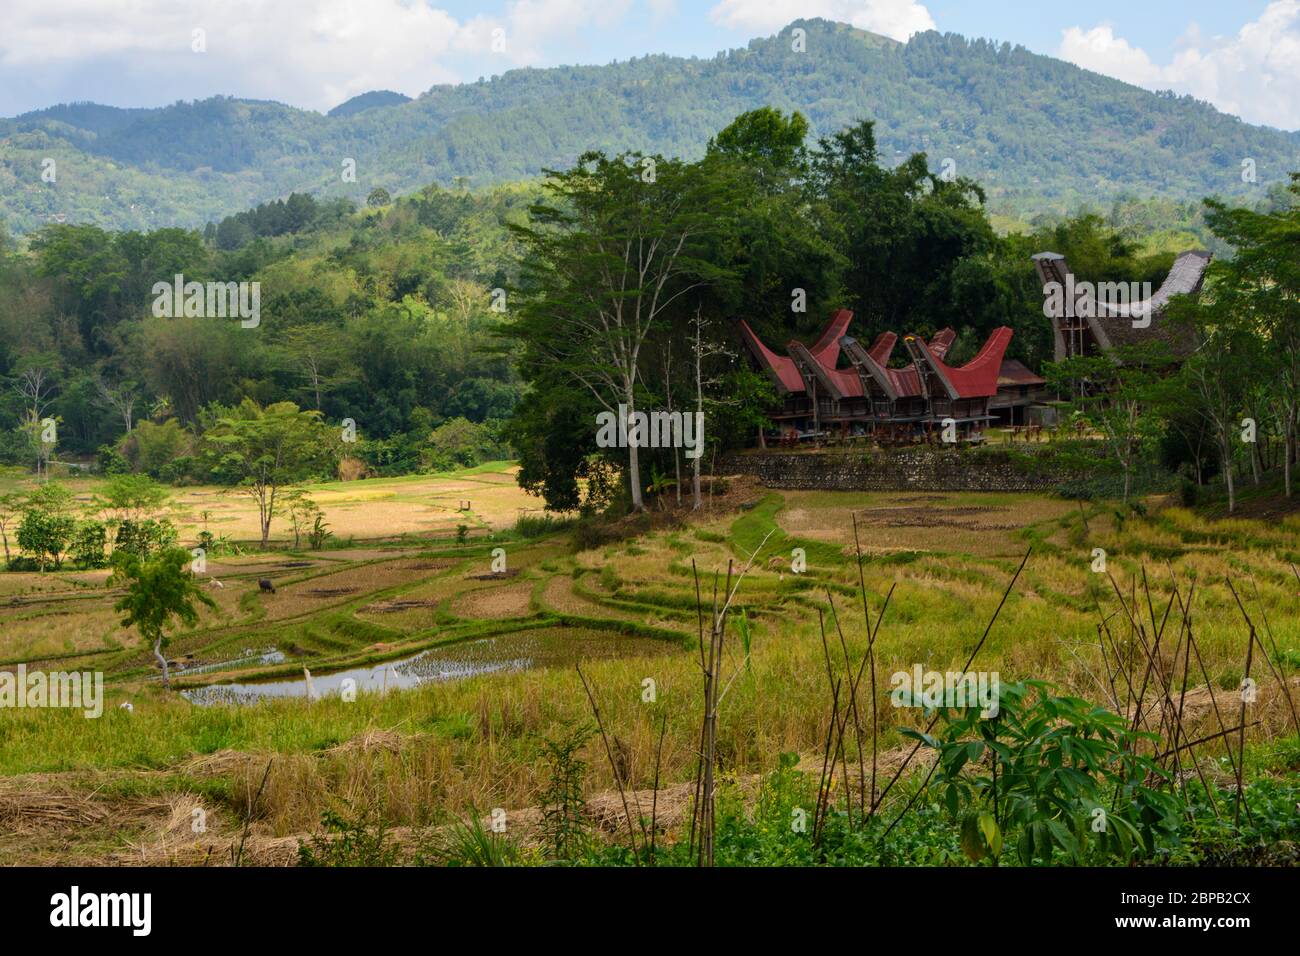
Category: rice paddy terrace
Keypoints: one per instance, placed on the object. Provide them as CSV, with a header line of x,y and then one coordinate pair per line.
x,y
461,668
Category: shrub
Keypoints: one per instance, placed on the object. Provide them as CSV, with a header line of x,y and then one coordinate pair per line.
x,y
535,526
351,469
214,544
461,443
150,447
565,825
110,462
144,537
319,533
594,532
1044,769
45,534
180,470
89,541
362,840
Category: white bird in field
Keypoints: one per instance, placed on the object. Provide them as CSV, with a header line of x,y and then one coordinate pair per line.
x,y
216,584
311,688
126,706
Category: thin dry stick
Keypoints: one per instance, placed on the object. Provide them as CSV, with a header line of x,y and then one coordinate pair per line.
x,y
1152,654
826,650
912,753
823,788
1241,719
871,656
1279,671
853,704
1187,656
1082,663
857,681
835,684
838,757
654,803
1214,703
1186,611
609,753
1170,715
715,678
1105,662
699,763
1115,649
707,672
1135,628
1222,733
1155,653
237,858
712,673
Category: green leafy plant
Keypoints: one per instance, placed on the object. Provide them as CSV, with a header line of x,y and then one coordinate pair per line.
x,y
88,543
46,535
1057,774
319,533
359,840
565,824
144,537
467,843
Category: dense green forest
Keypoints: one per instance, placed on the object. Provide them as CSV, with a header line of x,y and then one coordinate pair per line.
x,y
375,315
1039,134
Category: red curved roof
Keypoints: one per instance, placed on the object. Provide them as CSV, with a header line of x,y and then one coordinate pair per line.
x,y
978,378
781,367
826,352
883,347
827,349
941,342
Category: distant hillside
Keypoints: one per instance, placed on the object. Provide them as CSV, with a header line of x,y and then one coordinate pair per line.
x,y
369,101
1041,134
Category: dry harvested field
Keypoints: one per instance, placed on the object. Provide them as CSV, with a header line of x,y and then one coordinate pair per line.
x,y
376,509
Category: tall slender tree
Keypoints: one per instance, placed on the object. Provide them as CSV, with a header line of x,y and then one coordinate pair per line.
x,y
616,249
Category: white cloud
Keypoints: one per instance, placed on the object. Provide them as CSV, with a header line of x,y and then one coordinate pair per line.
x,y
1254,74
892,18
1100,50
661,10
307,52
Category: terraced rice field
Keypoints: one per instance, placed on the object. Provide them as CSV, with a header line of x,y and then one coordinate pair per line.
x,y
463,672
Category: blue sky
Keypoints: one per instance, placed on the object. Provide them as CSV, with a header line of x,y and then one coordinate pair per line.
x,y
1242,56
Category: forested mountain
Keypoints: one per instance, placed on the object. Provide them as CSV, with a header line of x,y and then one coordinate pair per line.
x,y
1038,133
369,101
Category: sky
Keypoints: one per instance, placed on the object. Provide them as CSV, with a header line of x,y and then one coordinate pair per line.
x,y
1244,56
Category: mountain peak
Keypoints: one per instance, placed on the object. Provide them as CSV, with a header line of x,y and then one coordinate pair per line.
x,y
369,101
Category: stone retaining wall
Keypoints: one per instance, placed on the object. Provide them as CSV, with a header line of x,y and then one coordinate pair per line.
x,y
907,469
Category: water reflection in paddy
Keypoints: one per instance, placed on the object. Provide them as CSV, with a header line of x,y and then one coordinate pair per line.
x,y
544,647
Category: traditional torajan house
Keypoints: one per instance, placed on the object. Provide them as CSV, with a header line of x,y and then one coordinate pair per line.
x,y
1096,322
1019,390
870,398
